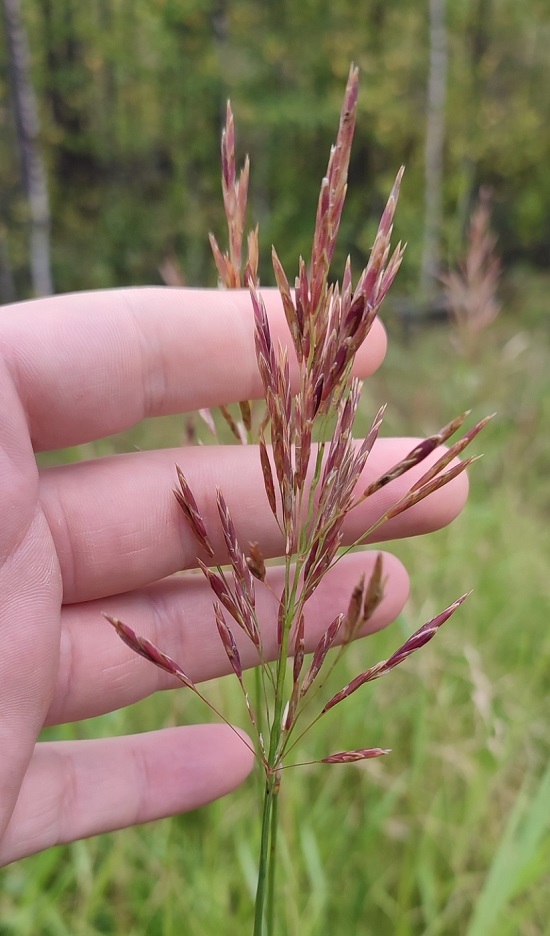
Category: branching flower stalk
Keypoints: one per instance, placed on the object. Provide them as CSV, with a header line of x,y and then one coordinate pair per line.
x,y
472,287
312,467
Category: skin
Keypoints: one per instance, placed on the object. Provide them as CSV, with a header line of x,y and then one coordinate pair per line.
x,y
107,535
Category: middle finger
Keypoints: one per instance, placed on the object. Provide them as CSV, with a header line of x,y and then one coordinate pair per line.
x,y
116,524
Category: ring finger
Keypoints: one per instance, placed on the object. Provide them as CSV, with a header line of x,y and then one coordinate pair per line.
x,y
98,673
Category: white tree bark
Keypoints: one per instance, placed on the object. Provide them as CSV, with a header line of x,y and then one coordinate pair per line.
x,y
7,285
433,153
28,133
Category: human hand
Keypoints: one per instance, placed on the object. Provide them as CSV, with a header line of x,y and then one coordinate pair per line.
x,y
107,535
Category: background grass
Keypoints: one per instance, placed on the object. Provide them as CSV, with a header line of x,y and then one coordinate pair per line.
x,y
449,835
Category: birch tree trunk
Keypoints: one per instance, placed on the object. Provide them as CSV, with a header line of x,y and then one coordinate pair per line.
x,y
32,164
7,285
433,153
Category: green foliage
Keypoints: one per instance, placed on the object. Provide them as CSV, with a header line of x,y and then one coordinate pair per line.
x,y
132,96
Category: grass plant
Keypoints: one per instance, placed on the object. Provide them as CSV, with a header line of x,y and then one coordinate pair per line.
x,y
312,468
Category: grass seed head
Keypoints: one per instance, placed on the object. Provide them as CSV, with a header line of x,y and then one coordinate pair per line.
x,y
149,651
326,642
228,642
191,512
414,643
349,757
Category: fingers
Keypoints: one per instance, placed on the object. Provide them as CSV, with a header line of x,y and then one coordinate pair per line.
x,y
91,364
98,673
117,526
76,789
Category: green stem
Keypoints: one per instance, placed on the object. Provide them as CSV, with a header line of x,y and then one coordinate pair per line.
x,y
272,858
265,855
289,617
259,693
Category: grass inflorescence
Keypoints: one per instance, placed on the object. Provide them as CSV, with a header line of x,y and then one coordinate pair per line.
x,y
312,466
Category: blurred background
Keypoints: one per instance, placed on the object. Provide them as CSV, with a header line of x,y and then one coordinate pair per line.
x,y
110,116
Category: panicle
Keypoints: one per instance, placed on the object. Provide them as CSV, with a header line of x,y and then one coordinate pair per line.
x,y
416,455
294,325
333,193
321,650
472,288
235,196
349,757
327,323
191,512
364,601
417,495
374,592
267,474
221,589
149,651
355,606
342,436
236,426
238,559
417,640
452,452
228,642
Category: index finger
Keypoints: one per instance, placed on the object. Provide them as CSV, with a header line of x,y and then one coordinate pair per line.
x,y
88,365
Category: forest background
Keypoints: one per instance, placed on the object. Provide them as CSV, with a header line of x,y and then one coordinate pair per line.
x,y
452,834
132,94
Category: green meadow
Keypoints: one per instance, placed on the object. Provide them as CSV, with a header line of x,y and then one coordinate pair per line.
x,y
448,835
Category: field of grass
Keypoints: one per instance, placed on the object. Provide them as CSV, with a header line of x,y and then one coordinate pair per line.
x,y
451,833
